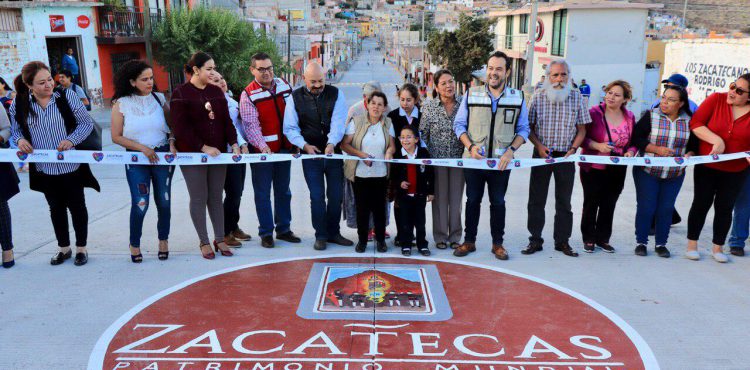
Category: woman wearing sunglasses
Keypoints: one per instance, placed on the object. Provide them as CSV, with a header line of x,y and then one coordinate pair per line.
x,y
722,123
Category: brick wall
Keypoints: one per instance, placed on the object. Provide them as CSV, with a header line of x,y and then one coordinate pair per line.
x,y
717,15
14,52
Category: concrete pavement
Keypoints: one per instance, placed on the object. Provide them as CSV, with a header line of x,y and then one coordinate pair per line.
x,y
692,314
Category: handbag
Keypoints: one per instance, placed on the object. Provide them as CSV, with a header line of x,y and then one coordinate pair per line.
x,y
94,140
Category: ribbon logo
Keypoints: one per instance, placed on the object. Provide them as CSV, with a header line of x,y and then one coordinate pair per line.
x,y
647,161
460,163
98,156
614,159
426,161
263,158
169,157
204,158
582,158
21,155
60,156
549,160
236,158
516,164
491,163
679,160
715,157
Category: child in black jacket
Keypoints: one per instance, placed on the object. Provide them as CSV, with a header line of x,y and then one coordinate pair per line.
x,y
413,186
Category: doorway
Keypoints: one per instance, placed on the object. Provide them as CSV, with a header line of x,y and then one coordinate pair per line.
x,y
56,49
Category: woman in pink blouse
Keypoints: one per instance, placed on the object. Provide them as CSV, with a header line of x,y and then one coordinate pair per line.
x,y
608,135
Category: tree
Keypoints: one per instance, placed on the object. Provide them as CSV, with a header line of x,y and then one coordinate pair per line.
x,y
221,33
464,50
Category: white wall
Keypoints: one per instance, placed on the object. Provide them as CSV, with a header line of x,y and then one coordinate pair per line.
x,y
606,45
709,65
37,27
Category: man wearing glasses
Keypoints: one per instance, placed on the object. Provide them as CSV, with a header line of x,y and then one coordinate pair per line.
x,y
262,105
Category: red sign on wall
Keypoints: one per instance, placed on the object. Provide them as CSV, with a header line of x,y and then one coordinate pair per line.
x,y
57,23
83,21
539,30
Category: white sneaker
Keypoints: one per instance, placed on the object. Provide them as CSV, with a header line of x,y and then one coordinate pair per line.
x,y
693,255
720,257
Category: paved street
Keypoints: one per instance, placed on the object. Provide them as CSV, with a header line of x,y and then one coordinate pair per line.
x,y
693,315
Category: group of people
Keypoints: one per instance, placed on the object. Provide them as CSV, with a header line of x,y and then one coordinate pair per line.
x,y
488,121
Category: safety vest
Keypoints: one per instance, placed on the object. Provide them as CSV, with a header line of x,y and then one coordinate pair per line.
x,y
271,112
492,131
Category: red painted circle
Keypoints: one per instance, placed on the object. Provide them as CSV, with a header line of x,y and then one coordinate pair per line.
x,y
83,21
539,30
248,318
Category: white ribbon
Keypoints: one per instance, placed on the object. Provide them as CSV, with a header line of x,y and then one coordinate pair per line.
x,y
121,158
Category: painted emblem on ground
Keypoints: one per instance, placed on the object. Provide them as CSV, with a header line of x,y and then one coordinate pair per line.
x,y
351,313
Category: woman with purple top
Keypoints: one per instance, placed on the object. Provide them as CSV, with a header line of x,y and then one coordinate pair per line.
x,y
609,134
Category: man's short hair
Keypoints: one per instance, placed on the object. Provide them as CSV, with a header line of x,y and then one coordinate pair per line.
x,y
370,87
500,54
258,56
561,62
67,73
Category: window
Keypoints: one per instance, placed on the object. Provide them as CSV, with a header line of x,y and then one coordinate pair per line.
x,y
509,32
120,58
523,24
559,28
10,20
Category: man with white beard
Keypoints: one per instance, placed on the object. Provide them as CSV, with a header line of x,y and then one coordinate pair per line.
x,y
558,117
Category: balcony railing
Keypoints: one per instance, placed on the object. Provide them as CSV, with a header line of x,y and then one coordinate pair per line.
x,y
513,42
125,21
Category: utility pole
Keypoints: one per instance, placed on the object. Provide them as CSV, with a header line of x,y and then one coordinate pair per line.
x,y
684,16
322,49
527,87
289,41
147,31
422,38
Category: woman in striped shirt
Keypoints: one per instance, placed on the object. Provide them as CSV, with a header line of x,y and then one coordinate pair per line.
x,y
38,122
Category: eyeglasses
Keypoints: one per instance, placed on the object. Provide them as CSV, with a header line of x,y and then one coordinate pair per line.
x,y
265,70
670,100
409,137
739,91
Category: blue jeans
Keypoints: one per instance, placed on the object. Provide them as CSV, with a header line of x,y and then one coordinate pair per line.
x,y
497,184
264,175
741,220
325,179
140,178
654,197
234,185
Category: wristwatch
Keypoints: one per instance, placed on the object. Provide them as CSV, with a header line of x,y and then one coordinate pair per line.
x,y
512,148
471,147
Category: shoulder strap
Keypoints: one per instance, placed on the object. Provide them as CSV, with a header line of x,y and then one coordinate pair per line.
x,y
153,93
63,105
606,124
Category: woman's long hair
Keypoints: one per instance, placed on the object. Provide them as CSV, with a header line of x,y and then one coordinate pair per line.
x,y
129,71
21,82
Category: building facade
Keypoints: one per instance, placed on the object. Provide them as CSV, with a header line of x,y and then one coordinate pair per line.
x,y
602,42
43,31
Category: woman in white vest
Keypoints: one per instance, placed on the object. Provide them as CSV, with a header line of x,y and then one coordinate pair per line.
x,y
370,136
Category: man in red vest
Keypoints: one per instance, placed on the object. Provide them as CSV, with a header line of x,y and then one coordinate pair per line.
x,y
262,110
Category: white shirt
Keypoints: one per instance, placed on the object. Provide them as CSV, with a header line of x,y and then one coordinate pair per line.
x,y
234,113
144,119
373,143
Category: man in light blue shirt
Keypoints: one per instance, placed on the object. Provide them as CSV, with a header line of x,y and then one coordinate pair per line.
x,y
497,114
314,122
